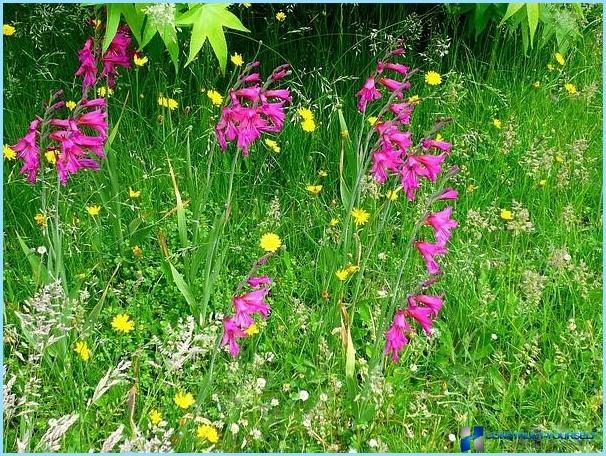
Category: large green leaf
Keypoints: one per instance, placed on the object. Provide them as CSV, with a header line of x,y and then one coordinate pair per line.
x,y
511,10
207,22
533,19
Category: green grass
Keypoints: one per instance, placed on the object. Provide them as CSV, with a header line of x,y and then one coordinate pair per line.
x,y
505,356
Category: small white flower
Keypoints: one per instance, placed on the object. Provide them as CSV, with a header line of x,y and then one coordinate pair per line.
x,y
303,395
494,336
413,368
261,383
274,402
338,385
382,293
256,434
382,256
323,397
372,443
41,250
452,437
234,428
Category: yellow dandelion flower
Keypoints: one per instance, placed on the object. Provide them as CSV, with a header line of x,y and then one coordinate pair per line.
x,y
353,268
252,330
93,211
360,216
333,222
536,84
308,125
140,60
342,274
168,103
305,113
71,104
392,195
237,60
273,145
8,30
8,153
270,242
414,99
550,67
439,137
322,173
215,97
133,193
137,251
280,16
372,120
471,188
123,323
207,432
497,123
155,417
560,58
105,91
433,78
506,214
559,159
570,88
542,183
82,349
184,400
51,156
314,189
40,219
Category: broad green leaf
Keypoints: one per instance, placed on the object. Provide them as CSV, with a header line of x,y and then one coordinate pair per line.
x,y
207,22
511,10
183,288
114,11
134,18
533,19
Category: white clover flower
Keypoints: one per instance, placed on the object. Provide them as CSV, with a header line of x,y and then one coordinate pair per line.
x,y
494,336
261,383
303,395
372,443
274,402
323,397
452,437
234,428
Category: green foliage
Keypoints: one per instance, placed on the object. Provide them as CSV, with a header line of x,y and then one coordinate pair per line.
x,y
207,21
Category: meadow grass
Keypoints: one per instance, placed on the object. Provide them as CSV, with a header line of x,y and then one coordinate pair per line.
x,y
518,343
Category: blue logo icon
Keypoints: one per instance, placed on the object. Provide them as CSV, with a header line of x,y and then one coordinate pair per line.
x,y
477,438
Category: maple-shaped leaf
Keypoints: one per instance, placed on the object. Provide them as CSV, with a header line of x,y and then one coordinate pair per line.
x,y
207,21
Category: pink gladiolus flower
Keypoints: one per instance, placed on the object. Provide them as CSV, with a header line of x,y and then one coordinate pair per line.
x,y
231,331
442,224
88,65
409,180
280,72
391,84
367,93
117,55
442,145
434,303
256,282
94,103
403,111
422,315
254,77
428,251
431,165
395,336
448,194
248,304
28,150
250,93
282,94
384,160
398,51
397,67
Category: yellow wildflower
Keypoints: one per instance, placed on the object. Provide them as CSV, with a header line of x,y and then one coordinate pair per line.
x,y
8,30
360,216
137,251
270,242
570,88
155,417
71,104
105,91
123,323
342,274
252,330
536,84
280,16
559,58
50,156
82,349
273,145
372,120
184,400
433,78
542,183
168,103
308,125
471,188
559,159
414,99
333,221
353,268
215,97
314,189
392,195
133,193
208,432
550,67
506,214
322,173
40,219
497,123
93,211
140,60
8,152
237,60
305,113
